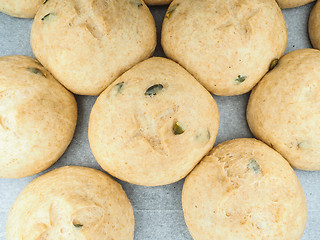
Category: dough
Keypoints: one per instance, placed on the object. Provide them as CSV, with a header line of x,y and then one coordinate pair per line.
x,y
244,190
293,3
153,124
20,8
87,44
37,117
284,112
228,45
71,203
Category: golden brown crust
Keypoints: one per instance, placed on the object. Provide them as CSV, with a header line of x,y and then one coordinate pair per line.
x,y
94,40
293,3
20,8
283,110
131,133
227,45
244,190
71,203
37,117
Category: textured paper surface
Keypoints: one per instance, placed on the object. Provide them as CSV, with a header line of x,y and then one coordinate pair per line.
x,y
158,211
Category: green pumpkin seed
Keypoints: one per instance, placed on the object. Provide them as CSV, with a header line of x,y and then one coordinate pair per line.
x,y
78,225
136,3
153,90
304,145
203,136
47,16
178,128
118,87
240,79
36,71
273,64
170,12
254,166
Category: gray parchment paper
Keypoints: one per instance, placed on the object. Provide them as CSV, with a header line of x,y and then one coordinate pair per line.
x,y
158,211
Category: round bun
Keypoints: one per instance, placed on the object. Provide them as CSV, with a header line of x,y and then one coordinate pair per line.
x,y
283,110
244,190
87,44
71,203
153,124
37,117
228,45
314,26
20,8
293,3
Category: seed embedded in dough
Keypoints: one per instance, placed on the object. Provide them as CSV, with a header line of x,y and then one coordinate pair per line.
x,y
203,136
36,71
153,90
178,128
254,166
137,3
47,16
170,12
118,87
240,79
273,63
304,145
78,225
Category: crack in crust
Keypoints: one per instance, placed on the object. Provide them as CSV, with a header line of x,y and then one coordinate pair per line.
x,y
151,129
238,15
3,123
62,221
84,19
234,187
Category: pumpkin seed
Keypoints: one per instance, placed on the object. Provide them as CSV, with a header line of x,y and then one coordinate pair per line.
x,y
137,3
203,136
170,12
36,71
153,90
254,166
118,87
178,128
303,145
47,16
240,79
273,63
